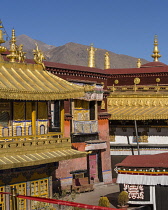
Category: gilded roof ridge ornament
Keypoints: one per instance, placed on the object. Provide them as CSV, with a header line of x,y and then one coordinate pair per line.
x,y
107,60
139,63
38,56
91,56
2,48
21,55
13,48
155,54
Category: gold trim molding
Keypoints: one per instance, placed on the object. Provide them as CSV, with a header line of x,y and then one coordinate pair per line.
x,y
138,102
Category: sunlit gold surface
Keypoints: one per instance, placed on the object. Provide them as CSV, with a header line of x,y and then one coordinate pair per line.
x,y
106,61
155,54
91,56
139,63
137,81
13,48
2,48
1,34
21,151
38,56
31,82
21,54
148,102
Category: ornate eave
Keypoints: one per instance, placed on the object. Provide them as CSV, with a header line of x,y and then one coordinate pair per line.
x,y
30,82
138,103
103,115
38,158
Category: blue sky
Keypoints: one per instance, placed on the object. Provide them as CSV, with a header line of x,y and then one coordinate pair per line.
x,y
121,26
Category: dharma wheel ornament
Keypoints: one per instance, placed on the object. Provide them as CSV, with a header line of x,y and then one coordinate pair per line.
x,y
157,80
116,81
137,81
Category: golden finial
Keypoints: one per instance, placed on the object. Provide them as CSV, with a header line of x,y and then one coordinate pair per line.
x,y
38,56
107,61
13,48
139,63
2,48
91,58
155,54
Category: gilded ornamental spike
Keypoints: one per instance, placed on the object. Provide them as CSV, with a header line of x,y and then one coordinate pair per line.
x,y
38,56
139,63
2,48
155,54
91,56
107,61
13,48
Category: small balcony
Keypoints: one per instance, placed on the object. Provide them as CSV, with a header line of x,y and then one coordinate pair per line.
x,y
84,127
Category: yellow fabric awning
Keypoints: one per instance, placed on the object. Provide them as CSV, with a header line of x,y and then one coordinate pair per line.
x,y
30,82
138,113
24,160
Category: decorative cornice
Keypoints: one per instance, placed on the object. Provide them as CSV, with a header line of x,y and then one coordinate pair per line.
x,y
103,115
137,171
67,117
77,73
143,107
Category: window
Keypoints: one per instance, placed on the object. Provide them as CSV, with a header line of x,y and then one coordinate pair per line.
x,y
2,199
92,110
39,188
21,190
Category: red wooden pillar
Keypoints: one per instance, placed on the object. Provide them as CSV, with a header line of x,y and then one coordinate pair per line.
x,y
103,127
67,118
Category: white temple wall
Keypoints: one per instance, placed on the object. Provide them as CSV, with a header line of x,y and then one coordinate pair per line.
x,y
154,136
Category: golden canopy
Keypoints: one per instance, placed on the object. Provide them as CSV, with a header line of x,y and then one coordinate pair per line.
x,y
30,82
144,106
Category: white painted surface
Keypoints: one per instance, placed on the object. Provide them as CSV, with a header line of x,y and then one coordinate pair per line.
x,y
154,137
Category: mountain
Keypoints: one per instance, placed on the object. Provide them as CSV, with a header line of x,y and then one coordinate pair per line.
x,y
74,54
29,45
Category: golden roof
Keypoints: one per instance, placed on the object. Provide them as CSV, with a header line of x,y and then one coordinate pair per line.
x,y
138,102
21,81
138,113
24,160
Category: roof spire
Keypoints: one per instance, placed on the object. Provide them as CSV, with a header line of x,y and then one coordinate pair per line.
x,y
139,63
91,58
2,48
13,48
155,54
106,61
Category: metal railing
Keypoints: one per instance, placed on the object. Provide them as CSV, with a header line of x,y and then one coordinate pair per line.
x,y
20,144
31,137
